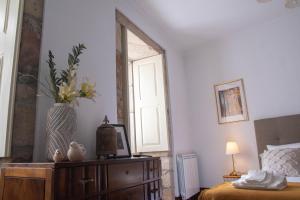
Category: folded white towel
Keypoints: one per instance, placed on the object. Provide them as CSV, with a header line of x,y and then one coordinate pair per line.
x,y
256,176
261,180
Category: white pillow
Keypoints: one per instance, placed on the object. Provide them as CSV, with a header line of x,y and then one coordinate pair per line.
x,y
293,145
282,161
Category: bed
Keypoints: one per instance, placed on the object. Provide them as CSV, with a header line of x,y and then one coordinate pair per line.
x,y
271,131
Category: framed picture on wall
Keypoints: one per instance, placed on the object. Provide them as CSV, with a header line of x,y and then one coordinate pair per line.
x,y
123,148
231,101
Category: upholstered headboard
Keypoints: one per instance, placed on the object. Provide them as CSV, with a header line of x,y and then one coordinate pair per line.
x,y
276,131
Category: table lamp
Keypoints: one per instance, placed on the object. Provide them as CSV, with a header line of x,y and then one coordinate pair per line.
x,y
231,149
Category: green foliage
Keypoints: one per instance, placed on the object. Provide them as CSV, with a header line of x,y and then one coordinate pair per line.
x,y
76,50
55,80
73,60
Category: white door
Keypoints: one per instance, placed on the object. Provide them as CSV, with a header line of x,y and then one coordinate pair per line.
x,y
11,12
150,105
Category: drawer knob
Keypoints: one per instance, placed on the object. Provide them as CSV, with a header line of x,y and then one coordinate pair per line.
x,y
127,172
86,180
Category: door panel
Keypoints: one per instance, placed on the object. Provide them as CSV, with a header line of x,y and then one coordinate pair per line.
x,y
148,81
10,22
23,189
1,66
77,184
26,183
4,11
150,106
150,126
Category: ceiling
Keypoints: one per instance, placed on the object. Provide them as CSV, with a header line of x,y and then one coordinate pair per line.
x,y
137,48
192,22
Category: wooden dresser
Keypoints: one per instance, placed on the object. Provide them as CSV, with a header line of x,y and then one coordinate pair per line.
x,y
119,179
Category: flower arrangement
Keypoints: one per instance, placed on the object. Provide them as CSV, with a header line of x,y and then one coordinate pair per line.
x,y
63,86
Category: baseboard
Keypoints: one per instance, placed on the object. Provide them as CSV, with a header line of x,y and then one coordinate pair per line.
x,y
195,197
203,188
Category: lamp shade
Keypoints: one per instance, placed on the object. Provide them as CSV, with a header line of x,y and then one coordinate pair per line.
x,y
232,148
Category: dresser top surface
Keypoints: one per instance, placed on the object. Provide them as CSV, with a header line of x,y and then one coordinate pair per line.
x,y
81,163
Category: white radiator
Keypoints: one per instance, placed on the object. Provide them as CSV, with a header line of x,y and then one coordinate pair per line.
x,y
187,167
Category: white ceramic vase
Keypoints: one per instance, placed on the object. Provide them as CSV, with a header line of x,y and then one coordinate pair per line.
x,y
60,129
76,152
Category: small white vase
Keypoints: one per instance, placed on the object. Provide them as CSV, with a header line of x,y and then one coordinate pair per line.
x,y
60,129
76,152
58,156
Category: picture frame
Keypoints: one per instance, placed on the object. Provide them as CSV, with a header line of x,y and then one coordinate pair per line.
x,y
231,101
123,147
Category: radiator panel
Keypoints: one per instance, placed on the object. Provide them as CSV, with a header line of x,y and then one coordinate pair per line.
x,y
187,167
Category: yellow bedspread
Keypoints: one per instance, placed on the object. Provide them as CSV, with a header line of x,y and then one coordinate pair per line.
x,y
226,191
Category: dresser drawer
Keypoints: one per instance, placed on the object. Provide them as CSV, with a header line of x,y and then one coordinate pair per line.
x,y
123,175
135,193
76,183
157,167
150,169
154,190
116,179
153,169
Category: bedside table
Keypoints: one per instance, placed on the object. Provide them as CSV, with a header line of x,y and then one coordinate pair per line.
x,y
228,178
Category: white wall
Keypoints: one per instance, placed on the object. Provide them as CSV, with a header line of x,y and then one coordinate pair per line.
x,y
267,57
69,22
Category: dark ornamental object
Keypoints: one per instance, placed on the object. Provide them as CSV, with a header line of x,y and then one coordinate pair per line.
x,y
106,140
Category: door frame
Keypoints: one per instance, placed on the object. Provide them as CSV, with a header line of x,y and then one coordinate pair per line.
x,y
126,23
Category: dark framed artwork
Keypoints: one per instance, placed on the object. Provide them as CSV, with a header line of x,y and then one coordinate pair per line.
x,y
231,101
123,147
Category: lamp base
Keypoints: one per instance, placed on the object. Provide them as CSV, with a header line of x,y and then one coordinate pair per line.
x,y
233,173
